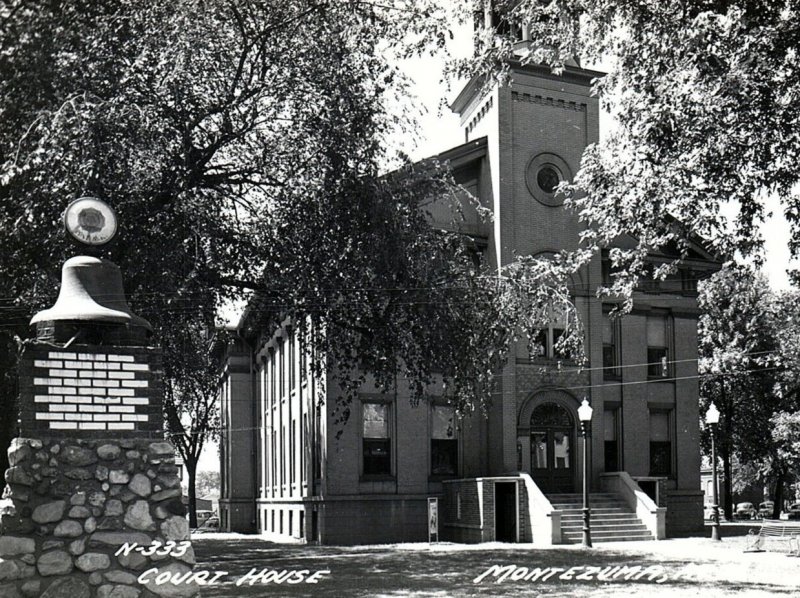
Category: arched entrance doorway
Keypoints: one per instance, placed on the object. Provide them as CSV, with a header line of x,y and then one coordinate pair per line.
x,y
552,441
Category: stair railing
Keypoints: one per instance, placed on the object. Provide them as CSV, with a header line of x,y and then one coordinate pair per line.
x,y
650,514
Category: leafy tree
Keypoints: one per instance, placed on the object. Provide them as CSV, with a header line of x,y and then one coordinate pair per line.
x,y
786,420
207,483
190,399
738,349
703,93
243,145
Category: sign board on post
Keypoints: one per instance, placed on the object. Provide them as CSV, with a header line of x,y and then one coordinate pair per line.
x,y
433,519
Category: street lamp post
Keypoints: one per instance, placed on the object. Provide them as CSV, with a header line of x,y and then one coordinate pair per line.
x,y
712,419
585,416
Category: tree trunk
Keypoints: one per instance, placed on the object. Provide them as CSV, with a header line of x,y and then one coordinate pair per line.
x,y
778,494
191,469
6,430
725,451
727,493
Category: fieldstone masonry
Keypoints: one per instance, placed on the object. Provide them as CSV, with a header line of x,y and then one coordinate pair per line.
x,y
71,504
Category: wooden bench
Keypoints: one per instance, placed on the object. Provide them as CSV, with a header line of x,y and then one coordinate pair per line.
x,y
776,529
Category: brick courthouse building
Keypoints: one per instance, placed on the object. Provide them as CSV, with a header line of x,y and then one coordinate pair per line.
x,y
513,475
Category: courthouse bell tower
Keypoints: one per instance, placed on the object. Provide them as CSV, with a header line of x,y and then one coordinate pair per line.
x,y
536,128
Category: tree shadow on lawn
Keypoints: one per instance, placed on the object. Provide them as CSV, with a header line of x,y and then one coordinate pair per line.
x,y
452,571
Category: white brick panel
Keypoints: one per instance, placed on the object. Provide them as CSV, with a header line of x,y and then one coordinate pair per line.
x,y
50,416
63,373
121,375
87,391
125,426
48,363
47,399
112,357
106,417
78,365
91,426
134,383
64,425
78,417
81,400
134,418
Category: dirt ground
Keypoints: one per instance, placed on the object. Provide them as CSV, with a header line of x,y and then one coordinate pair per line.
x,y
250,566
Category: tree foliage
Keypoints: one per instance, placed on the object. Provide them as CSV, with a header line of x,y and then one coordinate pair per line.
x,y
704,94
747,366
191,386
244,146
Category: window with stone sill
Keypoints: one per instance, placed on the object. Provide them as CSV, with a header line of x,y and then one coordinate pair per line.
x,y
611,346
661,444
548,337
376,441
658,344
444,442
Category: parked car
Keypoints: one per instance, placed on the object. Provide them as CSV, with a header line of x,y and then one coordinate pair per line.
x,y
209,525
765,509
203,515
745,510
793,512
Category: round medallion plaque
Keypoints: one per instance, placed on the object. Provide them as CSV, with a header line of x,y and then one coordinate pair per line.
x,y
90,221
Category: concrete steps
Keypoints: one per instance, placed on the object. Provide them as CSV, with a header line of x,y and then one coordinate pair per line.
x,y
611,520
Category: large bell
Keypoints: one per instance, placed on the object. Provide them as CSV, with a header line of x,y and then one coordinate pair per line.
x,y
91,291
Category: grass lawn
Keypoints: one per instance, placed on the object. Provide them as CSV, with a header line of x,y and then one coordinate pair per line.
x,y
689,567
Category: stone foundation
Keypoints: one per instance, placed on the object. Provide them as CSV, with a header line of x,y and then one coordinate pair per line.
x,y
70,505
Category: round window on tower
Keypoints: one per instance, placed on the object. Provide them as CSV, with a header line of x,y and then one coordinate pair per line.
x,y
543,175
548,178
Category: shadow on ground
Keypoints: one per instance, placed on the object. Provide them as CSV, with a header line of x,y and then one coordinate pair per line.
x,y
450,571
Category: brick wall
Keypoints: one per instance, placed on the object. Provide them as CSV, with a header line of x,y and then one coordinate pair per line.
x,y
684,512
92,391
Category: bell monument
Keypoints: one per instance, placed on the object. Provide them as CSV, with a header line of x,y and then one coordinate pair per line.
x,y
92,498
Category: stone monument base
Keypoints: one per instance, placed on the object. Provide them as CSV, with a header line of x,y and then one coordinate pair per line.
x,y
79,519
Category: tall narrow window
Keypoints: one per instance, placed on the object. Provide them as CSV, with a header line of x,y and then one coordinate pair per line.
x,y
611,347
611,439
292,361
444,444
292,449
376,441
284,477
303,359
272,384
282,368
548,337
657,347
660,444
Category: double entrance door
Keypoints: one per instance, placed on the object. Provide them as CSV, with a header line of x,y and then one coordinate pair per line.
x,y
552,441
